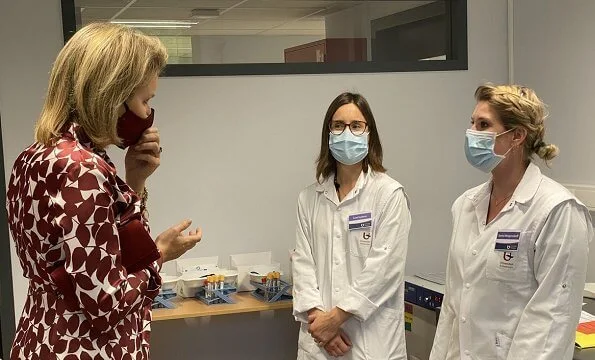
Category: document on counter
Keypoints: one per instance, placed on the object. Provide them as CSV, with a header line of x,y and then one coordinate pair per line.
x,y
585,332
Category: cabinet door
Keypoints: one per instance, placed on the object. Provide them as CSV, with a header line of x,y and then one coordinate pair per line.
x,y
346,50
311,52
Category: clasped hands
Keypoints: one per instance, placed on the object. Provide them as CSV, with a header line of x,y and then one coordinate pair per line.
x,y
325,329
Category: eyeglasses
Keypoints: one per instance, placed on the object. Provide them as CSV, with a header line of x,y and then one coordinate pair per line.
x,y
357,128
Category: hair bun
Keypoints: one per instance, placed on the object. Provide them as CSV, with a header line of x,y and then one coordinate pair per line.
x,y
547,151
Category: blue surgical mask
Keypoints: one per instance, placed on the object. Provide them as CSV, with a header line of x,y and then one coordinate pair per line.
x,y
347,148
479,149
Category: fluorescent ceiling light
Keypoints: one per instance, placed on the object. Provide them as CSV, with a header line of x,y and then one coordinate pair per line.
x,y
154,22
158,26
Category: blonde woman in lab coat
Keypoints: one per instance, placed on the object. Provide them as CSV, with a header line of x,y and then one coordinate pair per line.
x,y
518,255
352,232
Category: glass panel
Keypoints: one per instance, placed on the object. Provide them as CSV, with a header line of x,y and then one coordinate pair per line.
x,y
284,31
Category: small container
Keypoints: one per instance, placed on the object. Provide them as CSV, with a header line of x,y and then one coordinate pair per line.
x,y
190,283
230,277
258,273
168,282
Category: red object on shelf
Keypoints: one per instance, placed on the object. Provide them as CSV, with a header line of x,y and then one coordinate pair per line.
x,y
587,328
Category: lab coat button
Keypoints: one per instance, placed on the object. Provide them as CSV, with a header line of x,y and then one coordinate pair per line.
x,y
336,289
467,285
464,319
338,236
467,352
474,252
337,262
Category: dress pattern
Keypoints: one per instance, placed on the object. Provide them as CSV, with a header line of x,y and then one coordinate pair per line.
x,y
64,204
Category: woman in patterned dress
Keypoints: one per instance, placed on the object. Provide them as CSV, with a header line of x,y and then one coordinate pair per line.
x,y
69,210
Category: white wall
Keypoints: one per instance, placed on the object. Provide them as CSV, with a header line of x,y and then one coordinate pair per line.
x,y
239,149
26,56
242,189
553,54
421,117
245,49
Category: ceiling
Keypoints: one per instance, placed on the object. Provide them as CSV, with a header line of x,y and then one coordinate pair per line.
x,y
236,17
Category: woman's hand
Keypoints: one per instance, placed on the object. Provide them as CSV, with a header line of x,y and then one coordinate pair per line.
x,y
339,345
142,159
172,243
324,326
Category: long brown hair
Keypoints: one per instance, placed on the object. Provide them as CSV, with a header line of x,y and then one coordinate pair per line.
x,y
326,163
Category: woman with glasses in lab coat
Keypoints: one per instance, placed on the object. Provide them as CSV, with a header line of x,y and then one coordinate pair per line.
x,y
518,255
352,232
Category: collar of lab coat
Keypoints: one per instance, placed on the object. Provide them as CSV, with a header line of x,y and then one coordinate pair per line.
x,y
524,192
328,185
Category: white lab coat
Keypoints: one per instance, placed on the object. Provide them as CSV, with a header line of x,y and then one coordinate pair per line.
x,y
517,305
359,271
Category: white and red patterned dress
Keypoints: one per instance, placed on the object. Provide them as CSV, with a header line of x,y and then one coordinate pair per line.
x,y
65,203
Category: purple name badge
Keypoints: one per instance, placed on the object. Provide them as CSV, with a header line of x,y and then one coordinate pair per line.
x,y
360,221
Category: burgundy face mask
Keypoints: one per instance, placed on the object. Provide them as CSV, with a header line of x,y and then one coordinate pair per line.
x,y
132,126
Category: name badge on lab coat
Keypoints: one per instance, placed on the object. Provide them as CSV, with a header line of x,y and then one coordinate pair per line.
x,y
508,241
507,244
360,221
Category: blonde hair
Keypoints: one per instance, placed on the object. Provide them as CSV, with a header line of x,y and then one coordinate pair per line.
x,y
519,107
98,69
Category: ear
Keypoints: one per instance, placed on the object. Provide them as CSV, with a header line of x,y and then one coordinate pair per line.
x,y
519,135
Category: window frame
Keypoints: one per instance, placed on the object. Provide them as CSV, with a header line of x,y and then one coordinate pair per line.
x,y
456,11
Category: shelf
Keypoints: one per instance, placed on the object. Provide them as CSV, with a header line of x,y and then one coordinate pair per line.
x,y
191,308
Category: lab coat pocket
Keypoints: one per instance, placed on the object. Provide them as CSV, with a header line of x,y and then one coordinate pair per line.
x,y
360,242
354,329
503,343
510,266
383,335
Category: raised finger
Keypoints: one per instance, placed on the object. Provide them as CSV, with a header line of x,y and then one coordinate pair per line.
x,y
152,146
182,225
149,137
197,232
194,235
151,130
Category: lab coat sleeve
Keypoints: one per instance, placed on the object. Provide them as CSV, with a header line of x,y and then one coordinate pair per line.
x,y
387,255
548,323
306,295
446,322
